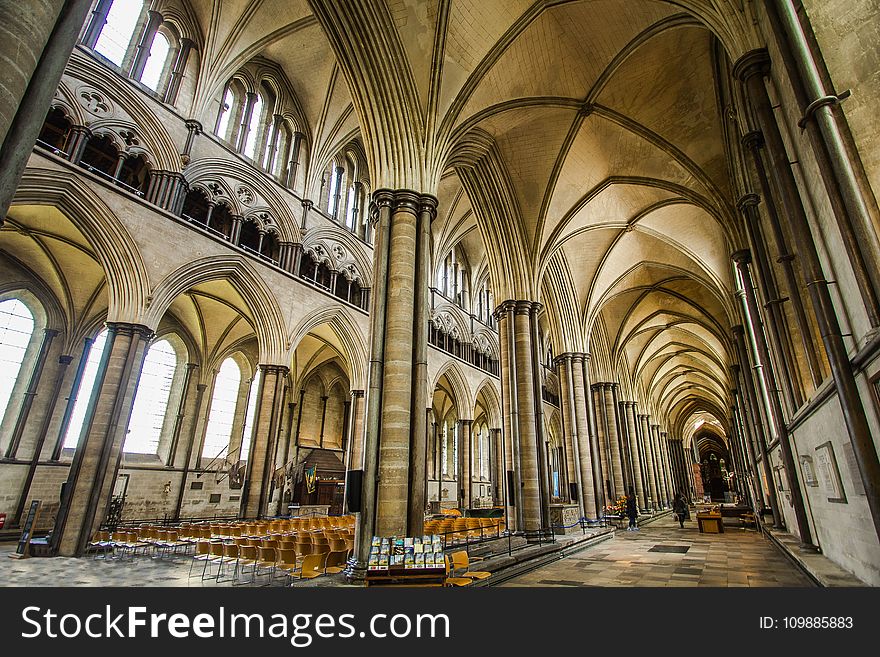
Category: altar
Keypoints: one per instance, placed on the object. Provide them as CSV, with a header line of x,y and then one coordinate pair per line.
x,y
564,515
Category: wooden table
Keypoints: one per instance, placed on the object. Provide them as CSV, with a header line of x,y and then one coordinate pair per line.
x,y
710,523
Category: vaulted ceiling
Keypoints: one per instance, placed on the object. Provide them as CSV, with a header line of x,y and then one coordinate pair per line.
x,y
580,149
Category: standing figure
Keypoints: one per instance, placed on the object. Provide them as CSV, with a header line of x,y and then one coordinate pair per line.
x,y
679,508
632,511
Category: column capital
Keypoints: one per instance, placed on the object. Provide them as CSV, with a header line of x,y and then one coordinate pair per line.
x,y
741,257
522,307
124,328
737,330
754,62
747,201
65,359
753,140
307,204
278,370
357,394
193,126
466,423
427,204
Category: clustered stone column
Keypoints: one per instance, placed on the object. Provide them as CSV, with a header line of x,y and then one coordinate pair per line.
x,y
635,453
267,421
751,69
92,474
395,432
465,461
38,37
528,503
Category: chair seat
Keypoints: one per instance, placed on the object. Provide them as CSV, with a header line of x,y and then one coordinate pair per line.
x,y
459,581
478,574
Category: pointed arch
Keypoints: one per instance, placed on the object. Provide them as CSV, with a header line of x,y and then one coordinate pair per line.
x,y
268,320
127,279
341,323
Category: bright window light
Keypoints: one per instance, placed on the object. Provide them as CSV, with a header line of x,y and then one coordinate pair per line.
x,y
16,329
222,413
151,401
119,29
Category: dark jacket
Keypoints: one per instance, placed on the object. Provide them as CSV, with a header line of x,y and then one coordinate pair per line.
x,y
631,510
679,507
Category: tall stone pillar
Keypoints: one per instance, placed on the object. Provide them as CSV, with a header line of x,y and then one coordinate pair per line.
x,y
613,441
571,427
267,421
497,466
757,424
395,432
636,456
93,471
586,484
26,28
598,390
519,397
592,447
743,259
649,462
37,39
465,455
751,69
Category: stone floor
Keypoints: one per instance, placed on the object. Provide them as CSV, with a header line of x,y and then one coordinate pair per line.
x,y
662,554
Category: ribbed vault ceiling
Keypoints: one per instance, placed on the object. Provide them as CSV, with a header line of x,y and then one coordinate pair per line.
x,y
576,146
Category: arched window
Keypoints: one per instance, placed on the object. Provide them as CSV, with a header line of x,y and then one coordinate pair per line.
x,y
225,113
331,191
246,434
16,329
250,145
152,75
90,373
222,413
117,33
151,400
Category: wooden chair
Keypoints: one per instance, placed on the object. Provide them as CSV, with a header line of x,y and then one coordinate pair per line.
x,y
313,565
288,562
268,560
336,561
247,556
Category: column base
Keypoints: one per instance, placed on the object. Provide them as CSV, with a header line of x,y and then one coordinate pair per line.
x,y
809,548
356,572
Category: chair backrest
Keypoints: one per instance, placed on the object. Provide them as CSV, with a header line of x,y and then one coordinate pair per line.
x,y
203,547
230,550
287,556
314,562
337,544
287,545
267,554
248,552
217,549
336,558
460,559
320,548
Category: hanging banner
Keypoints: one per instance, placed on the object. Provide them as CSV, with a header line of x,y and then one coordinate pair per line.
x,y
311,474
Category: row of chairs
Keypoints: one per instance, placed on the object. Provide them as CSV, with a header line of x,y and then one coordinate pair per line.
x,y
455,530
267,559
128,544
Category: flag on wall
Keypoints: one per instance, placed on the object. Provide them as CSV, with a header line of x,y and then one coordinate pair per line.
x,y
311,474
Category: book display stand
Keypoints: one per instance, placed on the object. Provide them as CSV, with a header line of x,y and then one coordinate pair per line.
x,y
406,561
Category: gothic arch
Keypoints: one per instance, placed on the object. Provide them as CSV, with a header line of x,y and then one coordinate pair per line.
x,y
268,320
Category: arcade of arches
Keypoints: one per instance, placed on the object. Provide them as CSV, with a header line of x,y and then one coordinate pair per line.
x,y
524,254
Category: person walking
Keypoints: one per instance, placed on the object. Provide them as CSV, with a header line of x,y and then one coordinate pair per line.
x,y
632,511
679,508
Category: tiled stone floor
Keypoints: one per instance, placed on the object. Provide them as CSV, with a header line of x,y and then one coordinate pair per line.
x,y
662,554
